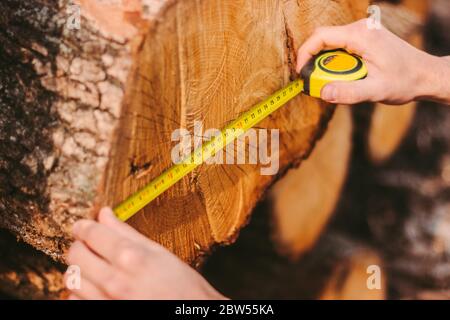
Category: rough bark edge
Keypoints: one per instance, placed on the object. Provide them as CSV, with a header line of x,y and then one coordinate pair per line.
x,y
26,273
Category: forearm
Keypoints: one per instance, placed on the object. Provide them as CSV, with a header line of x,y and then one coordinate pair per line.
x,y
435,79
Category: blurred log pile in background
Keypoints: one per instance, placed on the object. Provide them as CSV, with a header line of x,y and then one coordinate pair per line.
x,y
373,192
394,211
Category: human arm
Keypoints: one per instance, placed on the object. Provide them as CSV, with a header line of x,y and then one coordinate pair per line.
x,y
398,72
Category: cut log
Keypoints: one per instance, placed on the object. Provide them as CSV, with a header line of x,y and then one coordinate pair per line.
x,y
402,207
305,198
415,204
359,276
91,91
411,202
337,267
437,22
389,125
399,210
404,204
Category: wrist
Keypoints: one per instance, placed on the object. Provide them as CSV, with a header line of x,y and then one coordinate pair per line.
x,y
432,79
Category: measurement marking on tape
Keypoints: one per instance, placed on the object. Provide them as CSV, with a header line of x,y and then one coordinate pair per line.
x,y
328,66
230,133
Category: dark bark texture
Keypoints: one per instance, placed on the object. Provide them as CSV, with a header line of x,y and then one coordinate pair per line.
x,y
26,108
26,273
59,98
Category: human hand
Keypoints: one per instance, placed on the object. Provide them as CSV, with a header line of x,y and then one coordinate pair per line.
x,y
398,72
117,262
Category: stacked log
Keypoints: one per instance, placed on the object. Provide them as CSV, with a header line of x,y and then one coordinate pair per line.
x,y
393,211
306,198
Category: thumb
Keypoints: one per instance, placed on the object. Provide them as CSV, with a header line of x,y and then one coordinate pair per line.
x,y
344,92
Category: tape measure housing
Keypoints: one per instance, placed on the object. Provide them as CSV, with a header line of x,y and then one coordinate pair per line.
x,y
330,66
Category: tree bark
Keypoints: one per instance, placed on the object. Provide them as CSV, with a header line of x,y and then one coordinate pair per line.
x,y
87,113
26,273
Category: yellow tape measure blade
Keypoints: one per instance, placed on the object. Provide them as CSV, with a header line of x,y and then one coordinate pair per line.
x,y
247,120
336,65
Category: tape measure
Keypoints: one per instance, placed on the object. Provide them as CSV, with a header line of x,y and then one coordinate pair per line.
x,y
326,67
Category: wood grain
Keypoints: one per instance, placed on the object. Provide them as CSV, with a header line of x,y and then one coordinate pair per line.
x,y
87,114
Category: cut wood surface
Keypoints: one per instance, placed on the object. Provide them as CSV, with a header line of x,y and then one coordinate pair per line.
x,y
305,198
239,53
87,113
400,209
359,276
337,267
417,180
408,215
389,126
